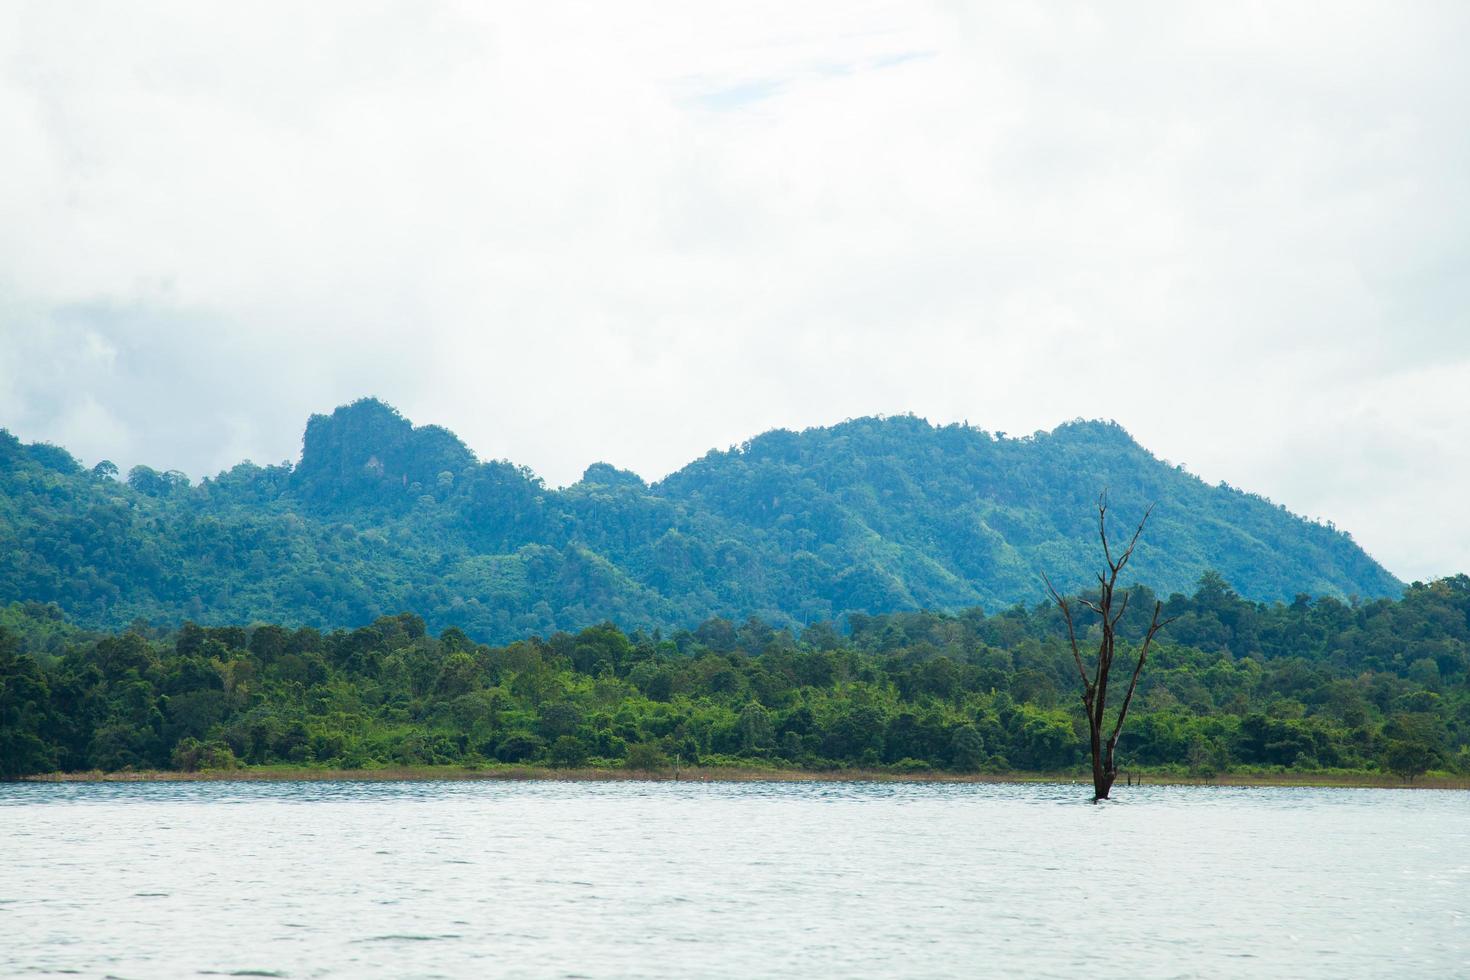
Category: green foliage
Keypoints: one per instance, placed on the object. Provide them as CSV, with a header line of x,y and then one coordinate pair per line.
x,y
1415,738
25,712
1303,686
567,751
646,757
192,755
870,516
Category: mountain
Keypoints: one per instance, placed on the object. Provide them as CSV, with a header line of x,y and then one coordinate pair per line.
x,y
872,515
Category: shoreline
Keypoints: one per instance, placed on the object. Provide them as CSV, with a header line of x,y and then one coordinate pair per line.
x,y
734,775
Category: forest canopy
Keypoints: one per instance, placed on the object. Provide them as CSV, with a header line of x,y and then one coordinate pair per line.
x,y
874,515
1309,685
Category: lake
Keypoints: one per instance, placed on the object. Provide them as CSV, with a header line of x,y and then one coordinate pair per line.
x,y
630,879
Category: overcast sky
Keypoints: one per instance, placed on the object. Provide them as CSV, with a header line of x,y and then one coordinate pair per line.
x,y
635,232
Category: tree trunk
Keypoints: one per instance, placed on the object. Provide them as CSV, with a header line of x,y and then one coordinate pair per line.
x,y
1103,772
1095,687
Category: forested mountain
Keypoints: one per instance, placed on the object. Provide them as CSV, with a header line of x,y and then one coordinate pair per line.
x,y
873,515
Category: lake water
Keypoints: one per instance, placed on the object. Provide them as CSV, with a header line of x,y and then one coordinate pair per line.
x,y
729,880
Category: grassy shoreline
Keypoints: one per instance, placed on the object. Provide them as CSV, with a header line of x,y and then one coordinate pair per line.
x,y
735,775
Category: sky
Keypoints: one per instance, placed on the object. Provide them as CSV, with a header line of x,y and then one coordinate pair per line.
x,y
633,232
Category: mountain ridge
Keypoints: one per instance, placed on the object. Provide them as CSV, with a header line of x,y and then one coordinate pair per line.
x,y
874,514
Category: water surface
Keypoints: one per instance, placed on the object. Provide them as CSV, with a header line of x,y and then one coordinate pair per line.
x,y
729,880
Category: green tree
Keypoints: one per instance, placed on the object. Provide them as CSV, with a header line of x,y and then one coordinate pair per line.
x,y
967,748
567,752
646,757
1413,744
25,709
756,731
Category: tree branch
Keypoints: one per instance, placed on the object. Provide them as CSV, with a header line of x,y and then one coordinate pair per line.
x,y
1153,629
1072,638
1133,543
1121,610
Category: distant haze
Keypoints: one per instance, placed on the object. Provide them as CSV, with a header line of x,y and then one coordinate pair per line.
x,y
634,232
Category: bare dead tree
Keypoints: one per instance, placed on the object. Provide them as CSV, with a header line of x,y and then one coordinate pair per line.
x,y
1095,687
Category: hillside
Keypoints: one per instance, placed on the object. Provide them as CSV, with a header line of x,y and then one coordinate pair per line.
x,y
873,515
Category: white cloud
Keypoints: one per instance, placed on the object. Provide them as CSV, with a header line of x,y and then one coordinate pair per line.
x,y
634,232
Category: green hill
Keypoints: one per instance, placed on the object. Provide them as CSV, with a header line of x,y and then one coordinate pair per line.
x,y
873,515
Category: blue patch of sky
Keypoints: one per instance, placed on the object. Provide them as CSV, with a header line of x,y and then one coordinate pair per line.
x,y
738,96
903,58
730,98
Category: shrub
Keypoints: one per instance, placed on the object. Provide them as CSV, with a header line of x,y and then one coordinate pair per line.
x,y
568,752
519,747
192,755
646,757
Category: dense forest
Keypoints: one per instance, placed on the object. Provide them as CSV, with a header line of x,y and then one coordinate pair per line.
x,y
1307,685
872,516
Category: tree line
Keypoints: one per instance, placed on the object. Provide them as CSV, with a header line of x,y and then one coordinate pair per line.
x,y
1302,686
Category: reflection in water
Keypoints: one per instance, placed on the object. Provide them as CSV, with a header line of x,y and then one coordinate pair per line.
x,y
732,879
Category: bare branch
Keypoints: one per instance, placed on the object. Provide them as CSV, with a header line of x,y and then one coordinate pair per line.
x,y
1102,525
1072,638
1051,590
1122,609
1153,630
1133,543
1095,691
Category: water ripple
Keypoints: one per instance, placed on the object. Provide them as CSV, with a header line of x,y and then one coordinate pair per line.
x,y
729,880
